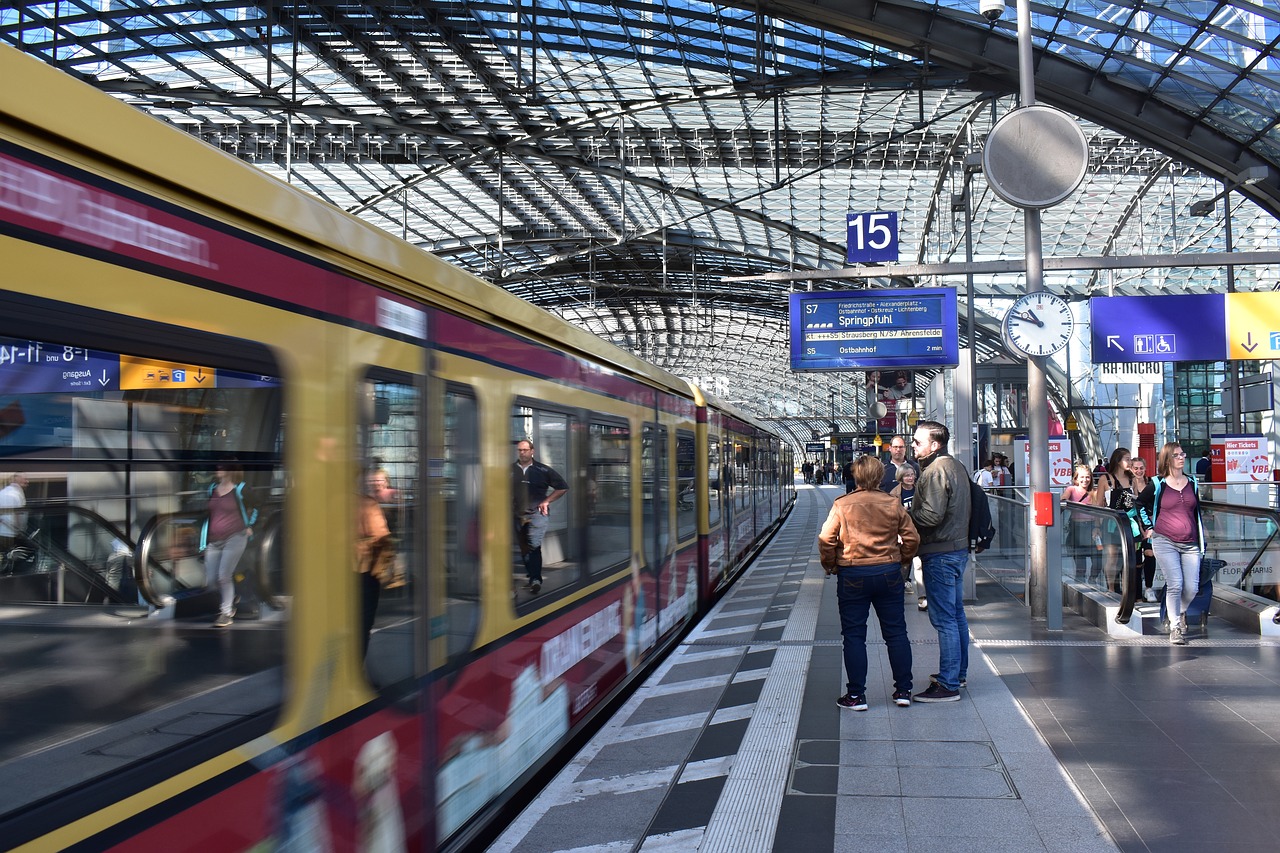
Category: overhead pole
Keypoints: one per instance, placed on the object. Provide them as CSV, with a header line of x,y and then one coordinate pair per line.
x,y
1037,386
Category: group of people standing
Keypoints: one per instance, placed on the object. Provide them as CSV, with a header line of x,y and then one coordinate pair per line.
x,y
869,539
1164,516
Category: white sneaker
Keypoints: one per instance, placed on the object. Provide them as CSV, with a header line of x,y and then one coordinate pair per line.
x,y
922,604
910,588
1150,595
1176,635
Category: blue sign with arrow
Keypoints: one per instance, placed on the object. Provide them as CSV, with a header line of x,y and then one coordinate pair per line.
x,y
1132,329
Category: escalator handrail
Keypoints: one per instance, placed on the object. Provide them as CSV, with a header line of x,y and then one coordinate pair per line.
x,y
269,531
141,577
1128,550
1256,512
65,557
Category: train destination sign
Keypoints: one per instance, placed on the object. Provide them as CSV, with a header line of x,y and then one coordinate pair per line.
x,y
862,329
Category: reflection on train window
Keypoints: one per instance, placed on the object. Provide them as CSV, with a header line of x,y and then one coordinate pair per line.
x,y
461,490
608,495
686,499
110,464
653,464
558,554
387,578
743,475
713,478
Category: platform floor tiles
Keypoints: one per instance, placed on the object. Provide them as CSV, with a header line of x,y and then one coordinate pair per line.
x,y
1069,741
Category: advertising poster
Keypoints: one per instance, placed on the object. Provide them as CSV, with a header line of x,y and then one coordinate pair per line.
x,y
1059,461
1246,459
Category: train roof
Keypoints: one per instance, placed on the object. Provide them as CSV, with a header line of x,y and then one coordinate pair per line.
x,y
100,132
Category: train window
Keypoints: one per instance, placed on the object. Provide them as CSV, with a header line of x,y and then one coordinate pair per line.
x,y
145,499
653,463
608,495
713,479
460,490
387,543
686,494
546,556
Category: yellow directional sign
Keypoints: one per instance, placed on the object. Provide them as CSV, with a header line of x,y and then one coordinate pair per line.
x,y
1253,325
144,373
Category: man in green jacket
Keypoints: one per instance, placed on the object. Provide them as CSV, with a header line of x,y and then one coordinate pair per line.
x,y
940,511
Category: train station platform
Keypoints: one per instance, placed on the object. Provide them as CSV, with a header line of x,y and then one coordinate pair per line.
x,y
1063,741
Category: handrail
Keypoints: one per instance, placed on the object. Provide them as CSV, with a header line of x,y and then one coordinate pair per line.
x,y
141,575
65,557
1256,512
1127,548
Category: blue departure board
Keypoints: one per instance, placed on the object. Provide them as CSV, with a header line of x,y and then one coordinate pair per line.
x,y
862,329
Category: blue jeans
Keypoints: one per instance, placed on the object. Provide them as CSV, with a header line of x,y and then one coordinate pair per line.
x,y
1180,562
531,529
944,585
859,588
220,561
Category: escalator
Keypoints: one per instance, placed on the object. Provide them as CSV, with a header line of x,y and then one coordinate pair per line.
x,y
68,555
73,556
170,570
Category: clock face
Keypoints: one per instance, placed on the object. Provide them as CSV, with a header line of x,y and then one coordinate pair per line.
x,y
1038,324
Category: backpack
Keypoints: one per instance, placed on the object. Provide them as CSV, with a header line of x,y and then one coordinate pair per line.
x,y
981,530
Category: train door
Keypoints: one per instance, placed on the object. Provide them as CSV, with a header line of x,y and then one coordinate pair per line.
x,y
555,434
389,543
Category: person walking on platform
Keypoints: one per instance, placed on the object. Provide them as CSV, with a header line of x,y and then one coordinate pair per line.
x,y
941,514
897,459
1145,489
864,542
1177,536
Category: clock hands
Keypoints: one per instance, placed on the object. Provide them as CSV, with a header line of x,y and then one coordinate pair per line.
x,y
1028,316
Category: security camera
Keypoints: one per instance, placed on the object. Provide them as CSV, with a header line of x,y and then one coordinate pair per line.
x,y
991,9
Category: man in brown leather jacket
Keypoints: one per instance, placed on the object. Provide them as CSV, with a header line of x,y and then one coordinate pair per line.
x,y
864,542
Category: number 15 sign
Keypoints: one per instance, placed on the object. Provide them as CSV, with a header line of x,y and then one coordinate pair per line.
x,y
873,237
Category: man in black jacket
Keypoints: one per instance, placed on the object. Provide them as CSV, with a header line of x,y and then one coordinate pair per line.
x,y
940,511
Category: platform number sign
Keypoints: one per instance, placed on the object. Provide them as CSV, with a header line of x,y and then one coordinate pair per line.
x,y
873,236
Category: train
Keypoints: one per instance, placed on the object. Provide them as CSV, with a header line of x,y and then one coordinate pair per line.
x,y
170,313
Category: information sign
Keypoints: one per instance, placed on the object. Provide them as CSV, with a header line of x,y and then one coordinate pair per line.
x,y
815,447
1142,373
859,329
872,236
1185,327
39,367
1253,325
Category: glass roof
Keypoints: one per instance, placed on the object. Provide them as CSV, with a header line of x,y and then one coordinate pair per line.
x,y
642,167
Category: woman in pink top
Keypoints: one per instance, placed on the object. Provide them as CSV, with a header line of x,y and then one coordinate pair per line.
x,y
1177,536
1083,541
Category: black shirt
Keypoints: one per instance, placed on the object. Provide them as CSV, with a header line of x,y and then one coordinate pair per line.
x,y
528,488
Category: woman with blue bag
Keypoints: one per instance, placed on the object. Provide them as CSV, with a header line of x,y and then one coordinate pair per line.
x,y
1177,536
1115,490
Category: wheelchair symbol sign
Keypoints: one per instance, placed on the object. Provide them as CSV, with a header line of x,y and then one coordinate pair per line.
x,y
1165,344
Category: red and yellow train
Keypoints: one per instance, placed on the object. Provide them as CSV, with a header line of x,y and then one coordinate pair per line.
x,y
165,308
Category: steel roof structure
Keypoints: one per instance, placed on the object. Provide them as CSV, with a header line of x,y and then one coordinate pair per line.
x,y
640,166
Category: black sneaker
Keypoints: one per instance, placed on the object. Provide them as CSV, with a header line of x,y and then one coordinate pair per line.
x,y
535,587
933,679
937,693
853,703
222,621
902,698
